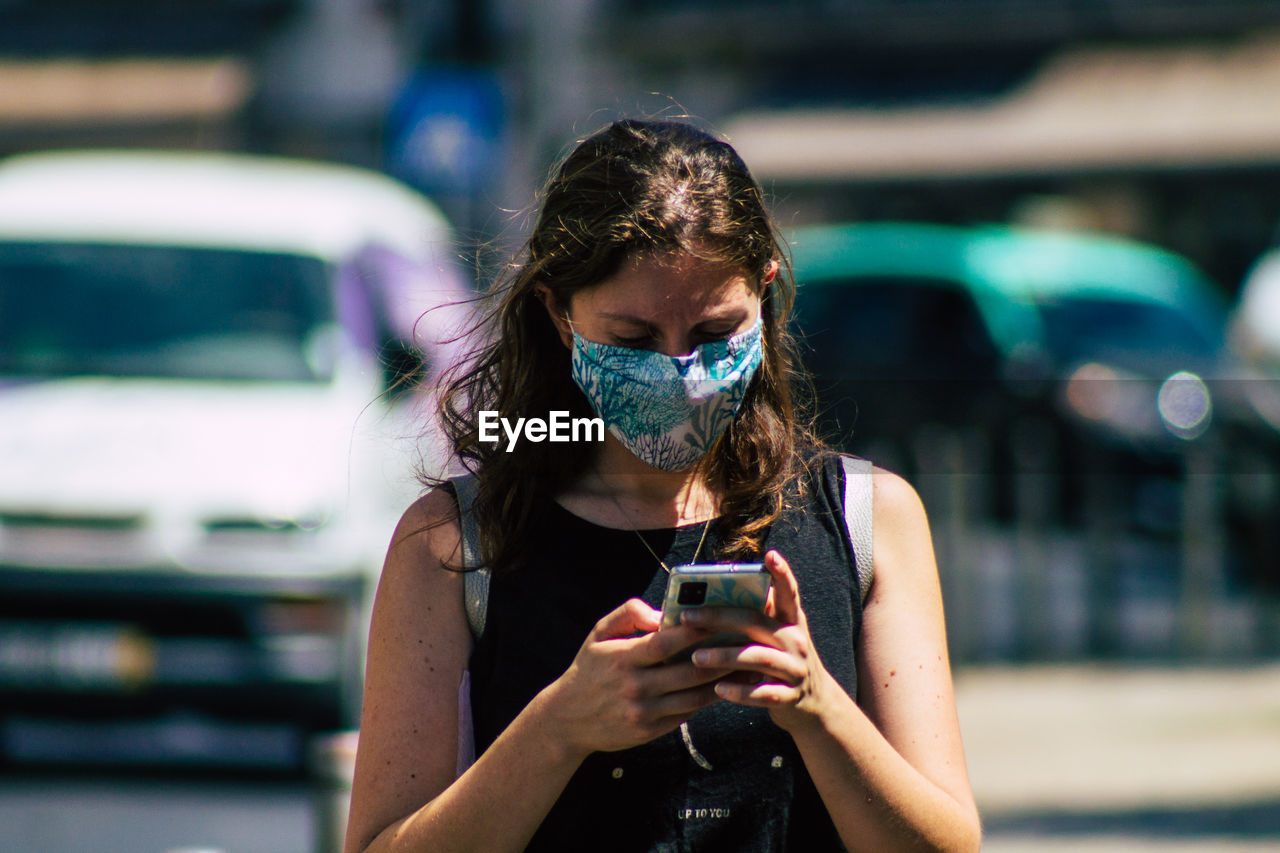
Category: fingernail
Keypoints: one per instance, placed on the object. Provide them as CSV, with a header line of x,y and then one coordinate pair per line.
x,y
691,617
701,656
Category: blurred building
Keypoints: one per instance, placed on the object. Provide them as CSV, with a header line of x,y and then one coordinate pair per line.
x,y
1154,118
1150,117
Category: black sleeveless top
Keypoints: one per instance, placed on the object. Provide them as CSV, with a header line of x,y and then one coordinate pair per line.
x,y
757,795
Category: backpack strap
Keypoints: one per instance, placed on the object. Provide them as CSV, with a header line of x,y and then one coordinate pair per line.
x,y
475,582
857,518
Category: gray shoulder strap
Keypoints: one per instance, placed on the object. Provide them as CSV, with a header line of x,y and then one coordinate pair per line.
x,y
475,582
857,517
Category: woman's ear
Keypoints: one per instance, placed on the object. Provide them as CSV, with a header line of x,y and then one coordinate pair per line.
x,y
770,272
558,319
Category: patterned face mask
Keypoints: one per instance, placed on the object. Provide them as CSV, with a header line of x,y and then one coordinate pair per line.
x,y
668,410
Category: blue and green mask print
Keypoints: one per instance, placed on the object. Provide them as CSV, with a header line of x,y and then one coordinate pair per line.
x,y
668,410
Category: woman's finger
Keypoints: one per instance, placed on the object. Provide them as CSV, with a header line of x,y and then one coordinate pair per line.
x,y
674,708
739,621
773,664
633,616
761,695
674,677
665,645
785,594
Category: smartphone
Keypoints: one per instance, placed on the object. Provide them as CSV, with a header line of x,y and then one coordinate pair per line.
x,y
715,585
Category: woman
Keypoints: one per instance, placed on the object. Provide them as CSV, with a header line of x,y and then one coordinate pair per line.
x,y
654,266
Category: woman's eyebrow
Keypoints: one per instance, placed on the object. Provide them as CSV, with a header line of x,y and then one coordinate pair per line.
x,y
728,315
625,318
733,314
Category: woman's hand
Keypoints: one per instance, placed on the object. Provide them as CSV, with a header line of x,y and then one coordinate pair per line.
x,y
623,689
781,671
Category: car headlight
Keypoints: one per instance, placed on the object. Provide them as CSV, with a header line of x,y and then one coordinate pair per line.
x,y
1185,405
1114,397
1132,405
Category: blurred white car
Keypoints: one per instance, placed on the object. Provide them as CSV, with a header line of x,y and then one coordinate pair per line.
x,y
203,448
1255,333
1256,318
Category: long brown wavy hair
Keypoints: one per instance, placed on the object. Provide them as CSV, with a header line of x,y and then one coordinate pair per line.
x,y
636,187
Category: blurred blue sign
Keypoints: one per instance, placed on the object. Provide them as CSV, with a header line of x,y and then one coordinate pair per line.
x,y
443,130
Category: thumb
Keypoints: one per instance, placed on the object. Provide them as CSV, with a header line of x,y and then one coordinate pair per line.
x,y
784,596
633,616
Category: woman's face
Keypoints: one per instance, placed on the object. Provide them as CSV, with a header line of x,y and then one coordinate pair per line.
x,y
667,303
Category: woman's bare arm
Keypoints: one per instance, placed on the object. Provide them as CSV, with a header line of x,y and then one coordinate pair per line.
x,y
617,693
908,778
891,769
419,643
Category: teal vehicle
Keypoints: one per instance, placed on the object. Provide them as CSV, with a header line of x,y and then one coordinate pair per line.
x,y
1110,354
1012,278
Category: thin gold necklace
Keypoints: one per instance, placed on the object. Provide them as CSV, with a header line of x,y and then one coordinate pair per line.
x,y
706,525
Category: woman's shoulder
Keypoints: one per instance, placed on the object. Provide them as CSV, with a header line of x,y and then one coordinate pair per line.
x,y
420,576
429,533
903,555
892,495
895,502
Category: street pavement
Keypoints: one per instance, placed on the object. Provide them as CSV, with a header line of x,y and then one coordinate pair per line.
x,y
101,815
1063,759
1105,759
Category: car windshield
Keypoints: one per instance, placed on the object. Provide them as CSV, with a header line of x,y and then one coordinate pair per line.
x,y
1132,333
894,327
161,311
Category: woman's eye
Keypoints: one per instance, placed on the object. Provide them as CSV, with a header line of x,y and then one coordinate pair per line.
x,y
633,343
